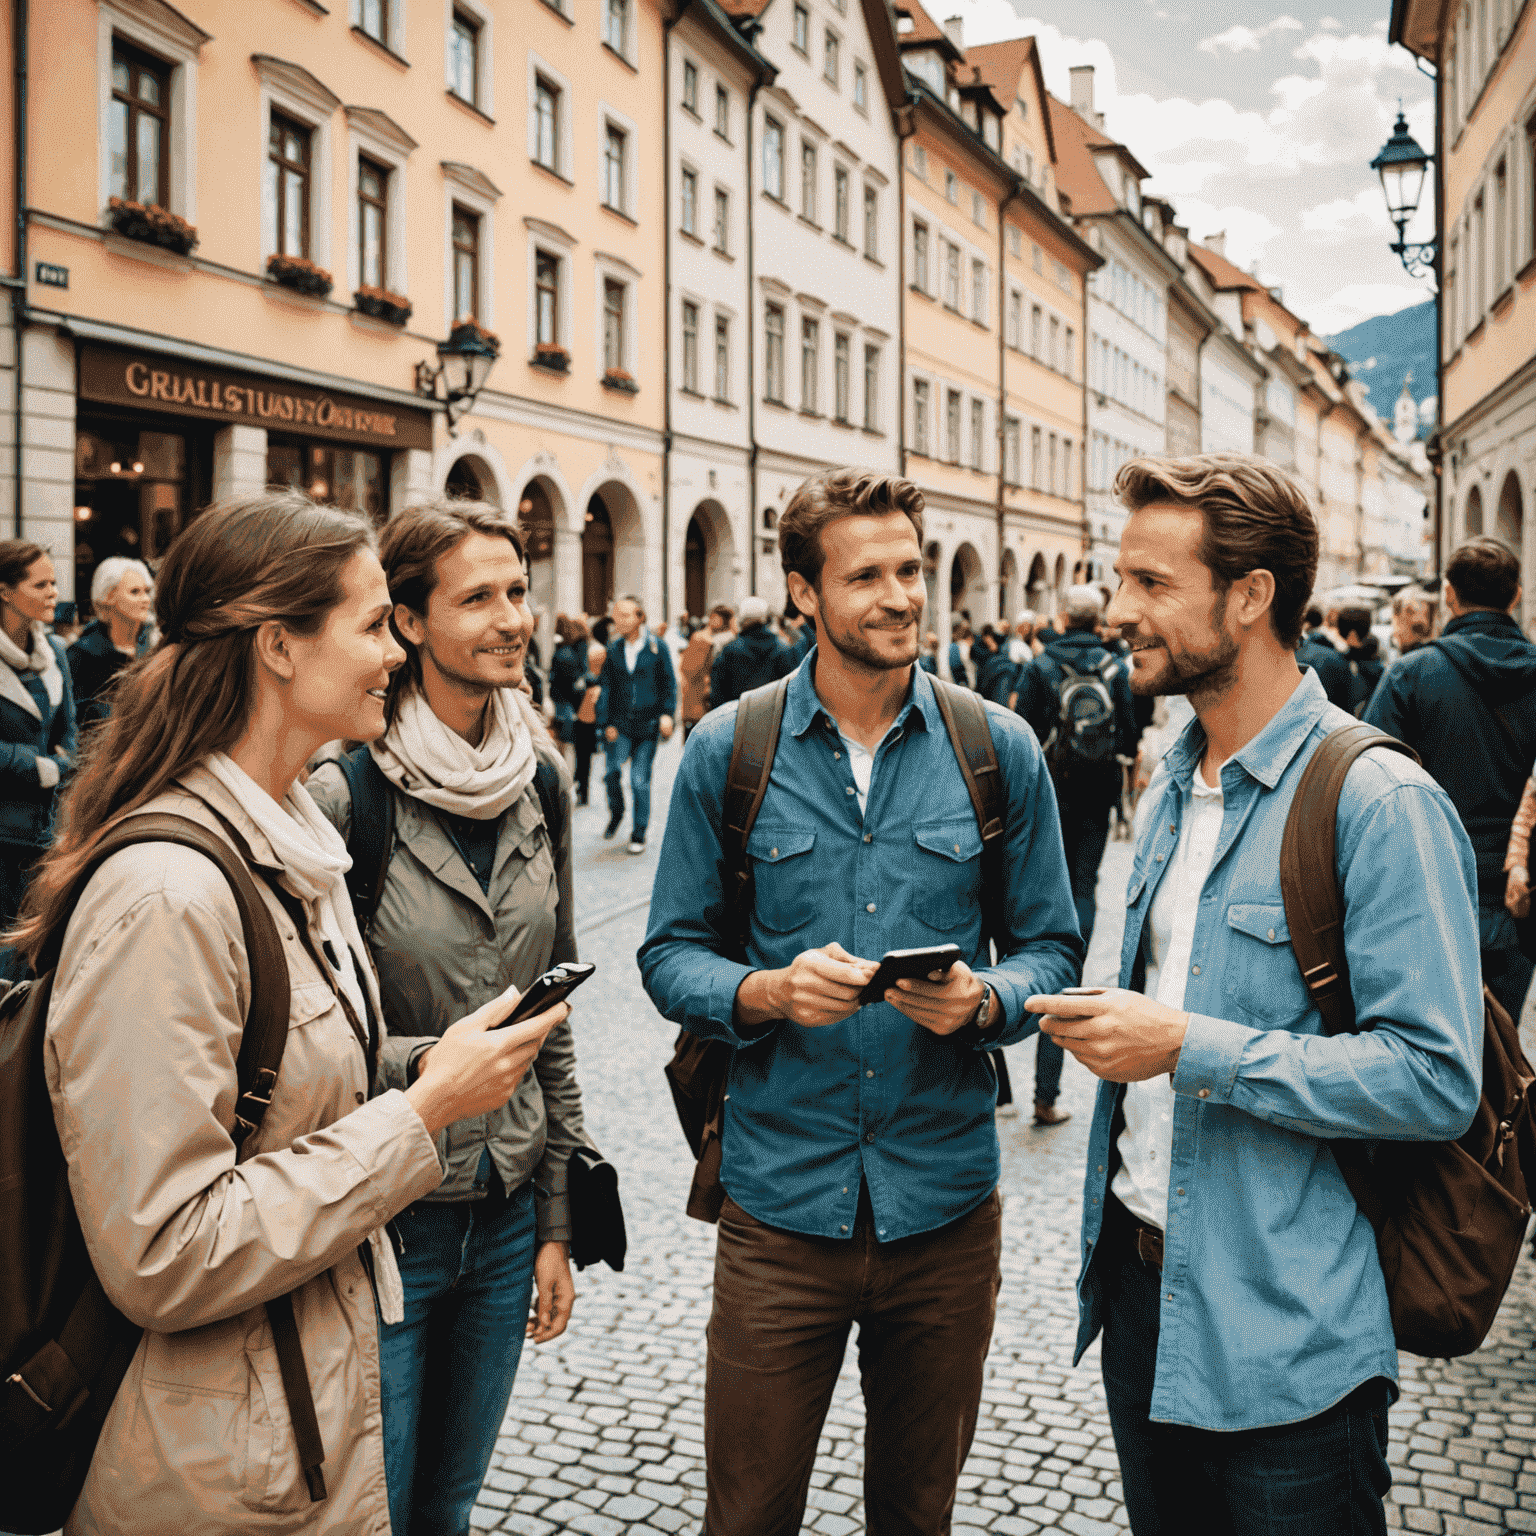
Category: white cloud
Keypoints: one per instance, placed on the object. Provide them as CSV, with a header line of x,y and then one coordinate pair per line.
x,y
1247,39
1359,301
1345,215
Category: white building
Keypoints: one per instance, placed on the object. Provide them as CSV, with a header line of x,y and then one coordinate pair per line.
x,y
826,302
713,75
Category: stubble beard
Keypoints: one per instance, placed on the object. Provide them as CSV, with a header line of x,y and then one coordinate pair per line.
x,y
852,647
1202,677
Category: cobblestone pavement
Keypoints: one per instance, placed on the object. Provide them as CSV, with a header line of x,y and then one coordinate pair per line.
x,y
604,1432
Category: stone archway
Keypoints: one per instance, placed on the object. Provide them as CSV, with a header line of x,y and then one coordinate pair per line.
x,y
709,559
474,473
612,548
538,509
1509,519
1037,589
931,559
968,586
1472,517
1009,598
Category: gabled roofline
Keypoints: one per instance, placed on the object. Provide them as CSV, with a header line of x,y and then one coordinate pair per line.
x,y
880,23
725,31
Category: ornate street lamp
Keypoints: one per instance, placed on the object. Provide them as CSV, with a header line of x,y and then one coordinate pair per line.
x,y
1401,166
464,363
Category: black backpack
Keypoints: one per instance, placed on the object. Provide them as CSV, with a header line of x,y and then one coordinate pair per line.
x,y
1086,730
699,1069
64,1348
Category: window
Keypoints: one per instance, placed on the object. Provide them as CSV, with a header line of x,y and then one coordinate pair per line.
x,y
802,29
373,17
773,350
1055,353
952,426
773,158
466,264
691,87
722,112
810,362
464,58
546,123
1015,316
860,88
1037,259
840,376
978,432
546,299
829,58
952,187
920,161
616,24
722,220
1500,228
614,297
951,276
1015,240
871,389
722,358
1479,255
372,223
1034,331
920,416
840,208
920,257
140,128
1011,450
1050,465
1034,457
1066,466
978,290
871,223
288,185
613,168
690,194
690,348
978,209
807,180
1069,354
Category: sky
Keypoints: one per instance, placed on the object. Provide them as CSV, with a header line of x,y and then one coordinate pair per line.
x,y
1254,120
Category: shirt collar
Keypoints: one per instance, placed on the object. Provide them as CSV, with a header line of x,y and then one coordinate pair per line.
x,y
803,708
1269,754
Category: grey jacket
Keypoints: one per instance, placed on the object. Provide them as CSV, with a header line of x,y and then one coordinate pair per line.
x,y
443,948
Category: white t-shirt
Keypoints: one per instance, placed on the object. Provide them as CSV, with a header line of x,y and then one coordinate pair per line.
x,y
632,649
1146,1143
862,761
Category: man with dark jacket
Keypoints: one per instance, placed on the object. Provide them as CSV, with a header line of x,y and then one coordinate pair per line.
x,y
636,706
753,658
1363,658
1318,652
1466,703
997,678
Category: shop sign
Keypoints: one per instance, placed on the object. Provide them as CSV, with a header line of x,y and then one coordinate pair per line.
x,y
155,382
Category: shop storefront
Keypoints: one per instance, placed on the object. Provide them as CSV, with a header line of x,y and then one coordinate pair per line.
x,y
148,431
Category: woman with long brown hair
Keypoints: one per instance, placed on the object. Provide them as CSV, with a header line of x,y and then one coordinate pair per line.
x,y
274,614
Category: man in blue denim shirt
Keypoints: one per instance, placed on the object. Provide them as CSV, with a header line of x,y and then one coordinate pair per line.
x,y
1248,1353
860,1153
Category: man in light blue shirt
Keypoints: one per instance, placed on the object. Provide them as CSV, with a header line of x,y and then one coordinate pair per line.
x,y
1248,1353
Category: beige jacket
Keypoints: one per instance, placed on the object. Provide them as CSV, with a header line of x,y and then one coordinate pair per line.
x,y
143,1031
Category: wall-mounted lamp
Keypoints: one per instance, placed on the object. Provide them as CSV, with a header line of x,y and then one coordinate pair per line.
x,y
1401,166
464,363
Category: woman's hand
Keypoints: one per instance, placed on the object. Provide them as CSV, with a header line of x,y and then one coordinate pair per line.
x,y
476,1067
1517,892
556,1293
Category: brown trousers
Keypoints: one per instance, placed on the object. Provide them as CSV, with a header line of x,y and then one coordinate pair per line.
x,y
783,1306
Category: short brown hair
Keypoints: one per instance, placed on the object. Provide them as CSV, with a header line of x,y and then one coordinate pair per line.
x,y
1256,518
17,557
824,497
1484,574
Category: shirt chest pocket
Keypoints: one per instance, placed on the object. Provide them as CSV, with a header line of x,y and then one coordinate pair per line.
x,y
1262,976
946,871
784,885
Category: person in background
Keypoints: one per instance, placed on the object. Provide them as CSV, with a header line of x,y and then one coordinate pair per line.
x,y
1413,619
475,898
119,634
636,706
584,728
565,671
721,626
928,657
959,634
66,623
997,678
1020,650
1319,652
694,666
37,723
1363,656
753,658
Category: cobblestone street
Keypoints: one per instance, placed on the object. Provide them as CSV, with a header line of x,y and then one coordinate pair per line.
x,y
604,1432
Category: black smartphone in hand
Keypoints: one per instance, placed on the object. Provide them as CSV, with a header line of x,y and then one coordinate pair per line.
x,y
899,964
554,986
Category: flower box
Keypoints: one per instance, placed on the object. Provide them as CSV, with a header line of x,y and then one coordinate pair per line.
x,y
153,225
299,274
381,304
555,359
488,339
620,379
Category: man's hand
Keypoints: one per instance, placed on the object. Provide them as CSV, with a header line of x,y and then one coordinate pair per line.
x,y
819,986
1517,892
1118,1035
943,1005
611,733
556,1293
664,725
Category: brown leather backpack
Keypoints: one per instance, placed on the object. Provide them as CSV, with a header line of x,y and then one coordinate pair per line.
x,y
699,1069
64,1348
1449,1216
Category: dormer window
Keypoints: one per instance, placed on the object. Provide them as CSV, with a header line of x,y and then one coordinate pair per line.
x,y
990,131
929,68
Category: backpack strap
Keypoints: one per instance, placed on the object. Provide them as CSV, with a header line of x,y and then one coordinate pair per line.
x,y
370,833
965,718
759,713
1309,882
546,780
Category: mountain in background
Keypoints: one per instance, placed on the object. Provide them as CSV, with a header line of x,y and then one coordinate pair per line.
x,y
1382,351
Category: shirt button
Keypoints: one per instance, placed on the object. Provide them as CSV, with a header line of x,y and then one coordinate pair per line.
x,y
870,907
1204,1093
1101,1168
1194,970
1178,1191
1170,1295
837,757
1271,935
845,1228
882,1231
845,1189
360,1097
957,847
869,837
773,853
849,790
1159,859
869,1136
867,1074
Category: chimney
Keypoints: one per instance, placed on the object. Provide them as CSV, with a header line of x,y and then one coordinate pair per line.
x,y
1082,90
954,30
1217,243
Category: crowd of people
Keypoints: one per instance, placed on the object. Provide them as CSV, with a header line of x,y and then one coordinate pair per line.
x,y
361,717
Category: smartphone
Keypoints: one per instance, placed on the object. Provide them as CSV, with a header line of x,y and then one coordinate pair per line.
x,y
1082,991
899,964
554,986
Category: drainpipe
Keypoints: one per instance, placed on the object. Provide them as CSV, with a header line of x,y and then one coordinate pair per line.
x,y
757,85
1002,384
19,36
1436,447
906,126
666,317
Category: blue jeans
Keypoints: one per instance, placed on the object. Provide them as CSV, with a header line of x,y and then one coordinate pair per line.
x,y
1324,1476
640,755
447,1370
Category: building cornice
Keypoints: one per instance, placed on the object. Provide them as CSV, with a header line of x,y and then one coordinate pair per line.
x,y
471,180
183,36
382,126
297,82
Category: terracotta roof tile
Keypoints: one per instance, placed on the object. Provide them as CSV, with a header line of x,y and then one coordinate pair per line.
x,y
1222,273
925,30
1076,174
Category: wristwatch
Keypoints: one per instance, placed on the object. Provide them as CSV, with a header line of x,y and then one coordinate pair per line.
x,y
984,1008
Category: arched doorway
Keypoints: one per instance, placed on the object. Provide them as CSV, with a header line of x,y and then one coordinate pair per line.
x,y
1008,596
612,548
536,523
931,583
1474,513
968,587
1509,520
1035,592
597,559
694,558
470,479
709,559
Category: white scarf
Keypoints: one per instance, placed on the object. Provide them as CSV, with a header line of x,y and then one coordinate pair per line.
x,y
315,861
43,660
419,755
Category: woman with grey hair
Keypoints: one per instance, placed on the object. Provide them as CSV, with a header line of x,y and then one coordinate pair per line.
x,y
121,592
